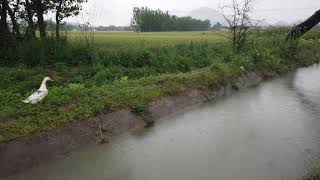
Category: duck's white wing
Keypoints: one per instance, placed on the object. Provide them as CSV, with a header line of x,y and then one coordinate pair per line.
x,y
36,97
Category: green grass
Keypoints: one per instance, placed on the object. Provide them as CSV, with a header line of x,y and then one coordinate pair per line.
x,y
88,83
75,101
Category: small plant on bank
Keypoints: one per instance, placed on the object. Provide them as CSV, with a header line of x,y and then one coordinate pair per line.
x,y
143,111
138,108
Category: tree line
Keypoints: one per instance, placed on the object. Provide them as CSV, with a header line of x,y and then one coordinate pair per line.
x,y
79,27
113,28
148,20
15,14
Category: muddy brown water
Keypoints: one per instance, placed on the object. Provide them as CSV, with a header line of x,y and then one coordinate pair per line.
x,y
270,132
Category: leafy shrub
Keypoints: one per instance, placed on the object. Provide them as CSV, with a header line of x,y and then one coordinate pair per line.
x,y
136,73
258,58
31,53
289,50
274,65
101,77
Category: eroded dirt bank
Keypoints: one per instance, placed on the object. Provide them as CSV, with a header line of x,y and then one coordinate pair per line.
x,y
24,153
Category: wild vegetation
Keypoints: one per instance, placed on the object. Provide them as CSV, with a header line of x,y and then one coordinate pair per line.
x,y
89,81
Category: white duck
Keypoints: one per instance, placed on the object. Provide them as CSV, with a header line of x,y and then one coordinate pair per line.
x,y
40,94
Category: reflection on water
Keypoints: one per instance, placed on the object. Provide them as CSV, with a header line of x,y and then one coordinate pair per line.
x,y
266,133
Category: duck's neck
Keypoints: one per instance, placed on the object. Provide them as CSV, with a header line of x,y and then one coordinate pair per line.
x,y
43,86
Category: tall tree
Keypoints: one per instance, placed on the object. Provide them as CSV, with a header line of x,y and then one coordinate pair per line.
x,y
64,9
239,22
12,13
29,14
41,6
4,28
136,20
4,23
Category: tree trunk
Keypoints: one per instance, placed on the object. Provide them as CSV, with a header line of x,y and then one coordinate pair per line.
x,y
58,19
41,24
32,28
304,27
15,25
4,28
4,24
57,29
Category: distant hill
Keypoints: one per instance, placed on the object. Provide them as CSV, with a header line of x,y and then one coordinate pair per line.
x,y
282,24
204,13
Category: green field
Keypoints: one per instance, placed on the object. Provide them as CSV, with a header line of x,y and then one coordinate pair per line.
x,y
129,70
148,39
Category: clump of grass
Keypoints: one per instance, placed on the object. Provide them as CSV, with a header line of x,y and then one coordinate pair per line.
x,y
138,108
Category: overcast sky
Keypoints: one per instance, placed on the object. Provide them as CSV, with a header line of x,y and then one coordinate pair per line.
x,y
119,12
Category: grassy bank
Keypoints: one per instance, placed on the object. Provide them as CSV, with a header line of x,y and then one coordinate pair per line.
x,y
131,73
